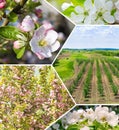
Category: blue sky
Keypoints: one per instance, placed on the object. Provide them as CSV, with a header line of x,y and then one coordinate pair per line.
x,y
84,37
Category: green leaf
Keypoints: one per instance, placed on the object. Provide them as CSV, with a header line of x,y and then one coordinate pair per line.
x,y
13,17
73,127
68,11
19,52
78,2
9,32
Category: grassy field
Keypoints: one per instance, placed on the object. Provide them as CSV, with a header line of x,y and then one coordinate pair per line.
x,y
91,76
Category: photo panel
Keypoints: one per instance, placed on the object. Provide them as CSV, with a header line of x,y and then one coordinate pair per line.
x,y
89,117
88,64
31,97
31,32
102,12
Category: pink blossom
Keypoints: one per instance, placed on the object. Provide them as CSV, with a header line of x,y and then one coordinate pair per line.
x,y
18,44
2,4
27,24
44,41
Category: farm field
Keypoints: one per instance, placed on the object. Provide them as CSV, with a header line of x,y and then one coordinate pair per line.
x,y
91,76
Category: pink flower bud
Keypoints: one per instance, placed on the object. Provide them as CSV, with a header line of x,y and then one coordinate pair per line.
x,y
27,24
2,4
18,44
38,13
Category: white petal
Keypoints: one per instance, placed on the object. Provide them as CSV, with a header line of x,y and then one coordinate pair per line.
x,y
100,21
98,4
117,4
65,6
88,4
109,5
77,18
46,52
108,18
51,37
79,9
87,20
55,46
116,15
39,33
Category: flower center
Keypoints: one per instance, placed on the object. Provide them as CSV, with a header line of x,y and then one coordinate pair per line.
x,y
43,43
100,14
103,119
86,13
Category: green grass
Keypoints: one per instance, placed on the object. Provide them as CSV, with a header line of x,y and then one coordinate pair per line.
x,y
65,65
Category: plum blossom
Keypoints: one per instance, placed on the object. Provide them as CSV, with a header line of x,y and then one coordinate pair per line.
x,y
83,14
27,24
44,41
2,3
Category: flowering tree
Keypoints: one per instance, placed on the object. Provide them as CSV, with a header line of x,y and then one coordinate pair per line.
x,y
91,11
31,97
24,27
98,118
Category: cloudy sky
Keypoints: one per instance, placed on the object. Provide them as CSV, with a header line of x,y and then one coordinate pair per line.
x,y
84,37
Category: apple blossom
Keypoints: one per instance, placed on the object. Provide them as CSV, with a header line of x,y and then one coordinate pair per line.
x,y
2,3
44,42
27,24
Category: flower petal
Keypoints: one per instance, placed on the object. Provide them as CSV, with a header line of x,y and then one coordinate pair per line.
x,y
88,4
100,21
39,33
117,4
109,5
65,6
77,18
87,20
51,37
108,18
98,4
55,46
116,15
79,9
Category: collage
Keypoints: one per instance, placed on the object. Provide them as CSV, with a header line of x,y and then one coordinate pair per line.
x,y
59,64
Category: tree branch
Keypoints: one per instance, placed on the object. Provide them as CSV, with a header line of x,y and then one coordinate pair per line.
x,y
15,10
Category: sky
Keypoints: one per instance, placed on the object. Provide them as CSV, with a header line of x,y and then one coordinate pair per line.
x,y
86,37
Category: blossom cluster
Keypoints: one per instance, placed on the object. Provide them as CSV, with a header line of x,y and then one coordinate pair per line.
x,y
25,25
31,97
93,12
89,119
43,40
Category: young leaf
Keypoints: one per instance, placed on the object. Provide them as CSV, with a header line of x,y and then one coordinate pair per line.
x,y
73,127
19,52
68,11
13,17
78,2
9,32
